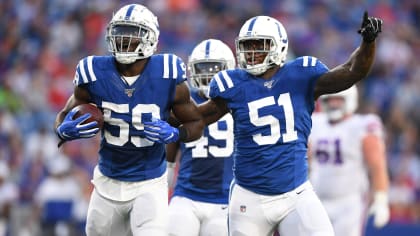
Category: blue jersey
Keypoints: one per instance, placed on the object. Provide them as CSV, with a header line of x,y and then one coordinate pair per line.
x,y
272,121
125,154
206,164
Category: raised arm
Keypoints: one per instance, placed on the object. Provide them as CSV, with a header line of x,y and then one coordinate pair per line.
x,y
358,65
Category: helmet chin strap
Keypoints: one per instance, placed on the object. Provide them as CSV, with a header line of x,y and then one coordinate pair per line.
x,y
259,69
130,57
124,59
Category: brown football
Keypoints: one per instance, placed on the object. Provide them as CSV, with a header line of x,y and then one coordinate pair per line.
x,y
92,109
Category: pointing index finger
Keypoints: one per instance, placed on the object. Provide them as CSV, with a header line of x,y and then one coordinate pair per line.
x,y
365,16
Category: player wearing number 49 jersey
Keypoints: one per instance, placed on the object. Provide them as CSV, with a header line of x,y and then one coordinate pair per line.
x,y
271,102
199,203
136,91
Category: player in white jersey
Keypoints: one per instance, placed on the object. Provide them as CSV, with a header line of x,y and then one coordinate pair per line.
x,y
136,90
344,149
200,198
271,102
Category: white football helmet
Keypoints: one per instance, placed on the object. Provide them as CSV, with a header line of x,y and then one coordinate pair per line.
x,y
207,58
350,97
132,34
262,43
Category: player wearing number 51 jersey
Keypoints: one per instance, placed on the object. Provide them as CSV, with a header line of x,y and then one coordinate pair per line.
x,y
136,91
271,102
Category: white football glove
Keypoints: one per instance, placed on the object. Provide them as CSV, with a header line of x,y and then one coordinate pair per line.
x,y
170,168
380,209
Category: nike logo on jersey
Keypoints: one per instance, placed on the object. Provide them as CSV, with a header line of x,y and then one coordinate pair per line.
x,y
224,207
300,191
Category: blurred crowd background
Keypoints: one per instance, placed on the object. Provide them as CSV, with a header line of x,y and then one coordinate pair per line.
x,y
41,42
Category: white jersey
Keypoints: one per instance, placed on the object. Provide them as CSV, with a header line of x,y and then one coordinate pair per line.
x,y
338,168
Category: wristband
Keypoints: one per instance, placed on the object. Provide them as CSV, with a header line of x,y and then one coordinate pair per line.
x,y
170,164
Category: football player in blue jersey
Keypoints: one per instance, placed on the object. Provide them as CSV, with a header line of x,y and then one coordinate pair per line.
x,y
200,199
271,102
137,91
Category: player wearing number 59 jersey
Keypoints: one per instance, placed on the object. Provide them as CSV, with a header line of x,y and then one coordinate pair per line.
x,y
126,107
271,102
199,203
136,91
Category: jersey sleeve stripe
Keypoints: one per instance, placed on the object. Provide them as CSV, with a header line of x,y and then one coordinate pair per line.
x,y
313,61
76,76
227,79
165,66
82,71
219,83
174,67
90,68
305,61
309,61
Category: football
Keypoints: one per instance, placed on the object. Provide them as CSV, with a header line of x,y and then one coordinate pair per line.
x,y
96,113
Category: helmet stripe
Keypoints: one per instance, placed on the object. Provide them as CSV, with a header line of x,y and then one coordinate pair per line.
x,y
279,29
129,11
251,25
207,49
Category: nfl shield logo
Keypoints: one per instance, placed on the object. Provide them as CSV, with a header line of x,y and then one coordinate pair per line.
x,y
129,92
269,84
243,208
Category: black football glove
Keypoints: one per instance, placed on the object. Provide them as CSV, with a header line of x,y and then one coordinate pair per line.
x,y
370,28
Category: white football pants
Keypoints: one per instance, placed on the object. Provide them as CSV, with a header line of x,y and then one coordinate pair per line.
x,y
295,213
147,214
194,218
351,222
